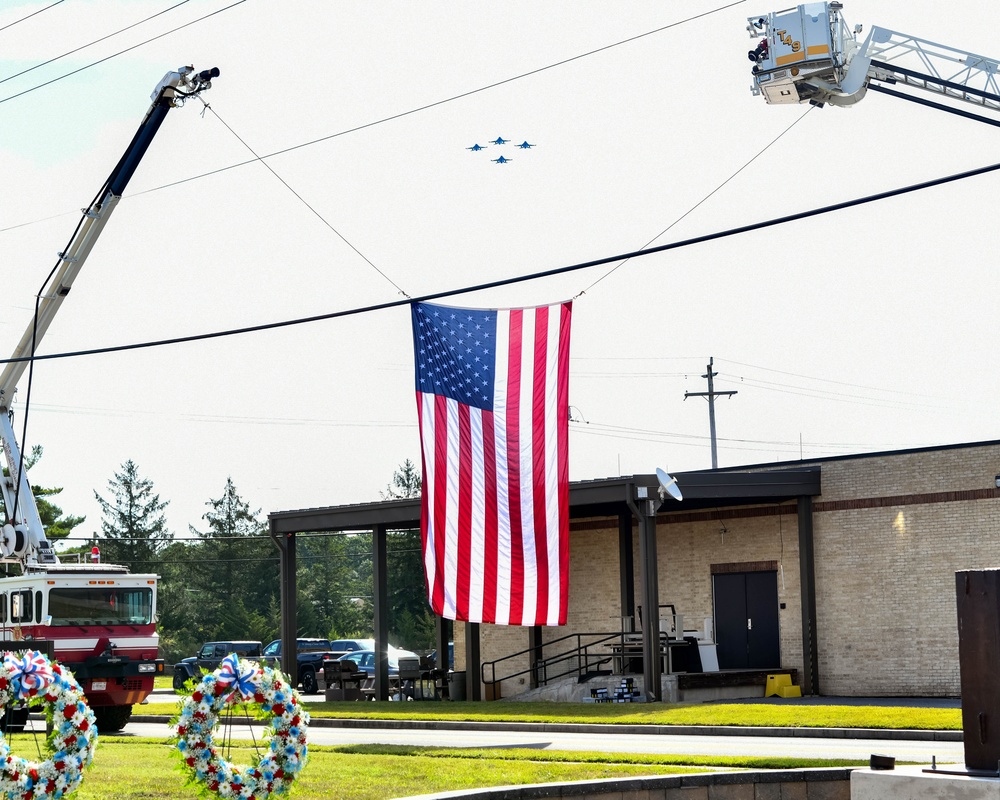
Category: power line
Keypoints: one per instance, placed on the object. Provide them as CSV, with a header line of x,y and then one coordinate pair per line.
x,y
29,16
706,197
663,248
822,380
841,397
443,101
303,201
89,44
122,52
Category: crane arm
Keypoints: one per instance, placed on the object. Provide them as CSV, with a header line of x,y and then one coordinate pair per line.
x,y
172,91
23,536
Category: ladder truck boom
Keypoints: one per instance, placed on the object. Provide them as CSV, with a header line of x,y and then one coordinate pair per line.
x,y
23,533
808,54
99,620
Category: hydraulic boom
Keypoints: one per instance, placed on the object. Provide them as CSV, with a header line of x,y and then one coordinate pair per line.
x,y
23,536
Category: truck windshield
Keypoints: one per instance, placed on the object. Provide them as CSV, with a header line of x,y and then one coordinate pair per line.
x,y
101,605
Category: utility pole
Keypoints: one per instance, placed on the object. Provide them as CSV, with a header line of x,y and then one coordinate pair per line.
x,y
711,394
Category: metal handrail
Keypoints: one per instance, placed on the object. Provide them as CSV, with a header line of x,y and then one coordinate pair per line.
x,y
580,655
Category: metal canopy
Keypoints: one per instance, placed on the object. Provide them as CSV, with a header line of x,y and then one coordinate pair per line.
x,y
593,498
609,497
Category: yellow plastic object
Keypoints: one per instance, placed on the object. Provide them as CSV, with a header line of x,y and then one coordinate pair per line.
x,y
790,691
775,684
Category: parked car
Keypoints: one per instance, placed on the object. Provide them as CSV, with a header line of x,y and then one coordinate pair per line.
x,y
309,658
341,647
209,657
365,660
351,645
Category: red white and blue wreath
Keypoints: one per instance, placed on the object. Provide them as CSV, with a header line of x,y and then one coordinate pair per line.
x,y
31,677
272,696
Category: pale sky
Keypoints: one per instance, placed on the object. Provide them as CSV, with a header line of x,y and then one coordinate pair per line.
x,y
862,330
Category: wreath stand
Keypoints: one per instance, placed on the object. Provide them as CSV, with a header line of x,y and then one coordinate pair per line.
x,y
269,696
30,678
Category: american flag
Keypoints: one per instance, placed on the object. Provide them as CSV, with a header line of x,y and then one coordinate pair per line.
x,y
493,403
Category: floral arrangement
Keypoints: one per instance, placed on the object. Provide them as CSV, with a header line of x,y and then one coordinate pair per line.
x,y
271,695
31,677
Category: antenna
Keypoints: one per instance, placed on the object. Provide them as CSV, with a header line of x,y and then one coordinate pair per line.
x,y
668,485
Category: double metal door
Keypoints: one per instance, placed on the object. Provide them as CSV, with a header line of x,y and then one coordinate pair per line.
x,y
746,620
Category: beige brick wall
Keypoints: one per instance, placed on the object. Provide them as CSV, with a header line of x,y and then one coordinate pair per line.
x,y
885,577
686,552
886,616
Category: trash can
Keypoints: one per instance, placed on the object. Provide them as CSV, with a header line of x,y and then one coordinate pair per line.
x,y
456,686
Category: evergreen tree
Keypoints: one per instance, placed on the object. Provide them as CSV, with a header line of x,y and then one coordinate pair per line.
x,y
405,483
133,526
233,571
55,524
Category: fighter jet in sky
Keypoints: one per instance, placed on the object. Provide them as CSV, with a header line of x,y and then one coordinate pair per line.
x,y
524,145
501,160
475,148
500,140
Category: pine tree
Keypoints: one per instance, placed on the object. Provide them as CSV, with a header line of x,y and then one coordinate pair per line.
x,y
133,527
405,483
234,574
56,525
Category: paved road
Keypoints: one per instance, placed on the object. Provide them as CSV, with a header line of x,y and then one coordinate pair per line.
x,y
794,746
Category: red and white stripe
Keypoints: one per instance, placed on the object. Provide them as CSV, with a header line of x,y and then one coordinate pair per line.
x,y
495,502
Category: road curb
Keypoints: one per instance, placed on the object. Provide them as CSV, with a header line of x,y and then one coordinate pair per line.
x,y
650,730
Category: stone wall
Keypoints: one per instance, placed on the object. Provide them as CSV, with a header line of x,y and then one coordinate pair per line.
x,y
813,784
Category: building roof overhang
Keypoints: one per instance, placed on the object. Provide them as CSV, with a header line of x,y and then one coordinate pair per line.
x,y
591,498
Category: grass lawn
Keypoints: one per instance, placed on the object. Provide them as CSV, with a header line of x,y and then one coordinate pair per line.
x,y
762,714
359,773
126,768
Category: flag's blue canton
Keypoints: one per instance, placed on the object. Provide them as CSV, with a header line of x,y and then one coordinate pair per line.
x,y
454,351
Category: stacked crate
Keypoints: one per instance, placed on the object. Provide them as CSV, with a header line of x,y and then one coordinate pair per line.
x,y
626,692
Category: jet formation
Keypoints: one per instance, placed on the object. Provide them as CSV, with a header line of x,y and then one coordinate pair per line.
x,y
525,145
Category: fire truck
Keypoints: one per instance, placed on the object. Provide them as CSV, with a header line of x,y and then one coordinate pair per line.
x,y
97,619
809,54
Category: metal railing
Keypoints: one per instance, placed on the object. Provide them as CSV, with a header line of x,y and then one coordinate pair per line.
x,y
583,655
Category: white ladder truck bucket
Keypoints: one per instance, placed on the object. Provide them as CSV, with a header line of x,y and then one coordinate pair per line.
x,y
808,54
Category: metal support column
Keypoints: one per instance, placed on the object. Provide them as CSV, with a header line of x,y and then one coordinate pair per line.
x,y
381,609
535,652
289,634
807,579
626,566
641,500
442,629
473,663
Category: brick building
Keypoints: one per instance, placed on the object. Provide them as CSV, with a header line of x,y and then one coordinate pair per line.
x,y
843,566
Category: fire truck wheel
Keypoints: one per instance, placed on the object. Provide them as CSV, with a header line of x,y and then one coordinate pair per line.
x,y
112,718
14,720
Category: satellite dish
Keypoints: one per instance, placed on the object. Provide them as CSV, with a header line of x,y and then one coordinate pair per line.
x,y
668,485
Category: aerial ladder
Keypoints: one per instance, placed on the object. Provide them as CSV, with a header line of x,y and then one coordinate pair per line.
x,y
809,54
22,535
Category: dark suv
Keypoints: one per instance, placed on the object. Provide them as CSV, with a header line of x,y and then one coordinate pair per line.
x,y
209,658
